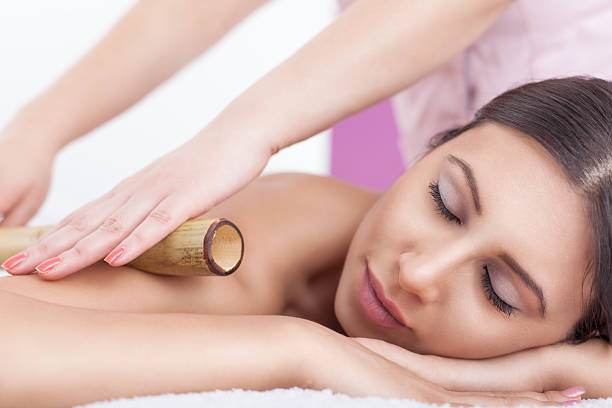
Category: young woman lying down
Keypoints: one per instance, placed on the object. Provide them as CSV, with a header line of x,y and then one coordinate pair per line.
x,y
482,276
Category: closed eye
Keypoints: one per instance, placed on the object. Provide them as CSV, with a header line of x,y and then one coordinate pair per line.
x,y
492,295
495,300
434,191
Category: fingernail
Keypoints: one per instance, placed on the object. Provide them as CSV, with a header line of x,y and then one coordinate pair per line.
x,y
570,402
113,256
573,391
47,265
14,260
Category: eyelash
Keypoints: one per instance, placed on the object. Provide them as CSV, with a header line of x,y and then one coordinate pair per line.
x,y
434,191
493,298
485,280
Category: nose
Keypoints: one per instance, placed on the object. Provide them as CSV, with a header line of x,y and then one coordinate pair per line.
x,y
425,273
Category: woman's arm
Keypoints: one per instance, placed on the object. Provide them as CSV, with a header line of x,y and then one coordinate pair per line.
x,y
62,356
373,50
588,364
58,356
554,367
376,48
148,45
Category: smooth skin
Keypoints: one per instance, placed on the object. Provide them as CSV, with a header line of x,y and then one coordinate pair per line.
x,y
378,69
432,267
87,337
150,204
111,77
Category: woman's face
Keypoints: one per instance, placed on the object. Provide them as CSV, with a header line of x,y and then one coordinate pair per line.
x,y
506,211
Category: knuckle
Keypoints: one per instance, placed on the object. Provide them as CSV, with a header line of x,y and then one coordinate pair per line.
x,y
112,193
43,247
117,193
78,223
79,251
137,236
161,216
64,222
112,225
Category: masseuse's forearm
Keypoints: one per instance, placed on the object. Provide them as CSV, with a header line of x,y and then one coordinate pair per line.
x,y
61,356
373,50
149,44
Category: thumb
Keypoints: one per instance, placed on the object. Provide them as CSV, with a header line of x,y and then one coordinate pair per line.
x,y
22,211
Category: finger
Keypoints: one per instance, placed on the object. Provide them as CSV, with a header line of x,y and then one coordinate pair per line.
x,y
555,396
77,225
21,213
8,206
166,217
92,206
502,400
463,404
99,242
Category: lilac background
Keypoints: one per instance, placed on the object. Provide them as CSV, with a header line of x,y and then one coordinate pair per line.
x,y
364,149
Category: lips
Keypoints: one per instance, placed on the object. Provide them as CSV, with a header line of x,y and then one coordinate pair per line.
x,y
388,304
379,310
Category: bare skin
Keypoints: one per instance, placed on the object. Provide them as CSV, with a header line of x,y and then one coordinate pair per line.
x,y
276,214
153,202
285,119
100,352
309,222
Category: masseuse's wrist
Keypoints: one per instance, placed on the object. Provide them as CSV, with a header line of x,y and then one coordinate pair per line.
x,y
235,134
35,130
263,122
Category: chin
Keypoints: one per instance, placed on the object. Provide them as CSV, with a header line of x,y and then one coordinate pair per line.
x,y
339,310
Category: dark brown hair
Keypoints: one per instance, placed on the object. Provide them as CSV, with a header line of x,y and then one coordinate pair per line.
x,y
572,119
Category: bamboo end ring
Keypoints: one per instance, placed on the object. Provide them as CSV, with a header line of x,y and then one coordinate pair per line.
x,y
223,247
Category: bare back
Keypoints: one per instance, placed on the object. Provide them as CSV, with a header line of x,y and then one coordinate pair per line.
x,y
297,229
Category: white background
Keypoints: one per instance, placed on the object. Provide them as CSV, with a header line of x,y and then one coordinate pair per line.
x,y
40,39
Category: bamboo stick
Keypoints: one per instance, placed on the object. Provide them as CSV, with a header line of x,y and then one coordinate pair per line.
x,y
207,246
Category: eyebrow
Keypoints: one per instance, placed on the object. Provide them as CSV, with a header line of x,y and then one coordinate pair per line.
x,y
469,177
514,266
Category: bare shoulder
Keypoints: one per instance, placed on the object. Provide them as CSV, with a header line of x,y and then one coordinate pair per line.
x,y
294,225
337,189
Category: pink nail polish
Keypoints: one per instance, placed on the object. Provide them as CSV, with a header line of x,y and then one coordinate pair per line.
x,y
573,392
113,256
47,265
14,260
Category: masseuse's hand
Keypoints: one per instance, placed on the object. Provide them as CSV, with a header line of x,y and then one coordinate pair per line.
x,y
25,173
527,370
147,206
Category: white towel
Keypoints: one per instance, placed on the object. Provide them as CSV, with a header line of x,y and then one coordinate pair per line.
x,y
294,397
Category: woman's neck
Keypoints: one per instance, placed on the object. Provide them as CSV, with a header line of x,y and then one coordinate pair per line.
x,y
312,297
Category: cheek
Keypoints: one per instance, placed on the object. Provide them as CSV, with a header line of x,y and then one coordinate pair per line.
x,y
379,230
405,214
461,324
462,334
401,219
